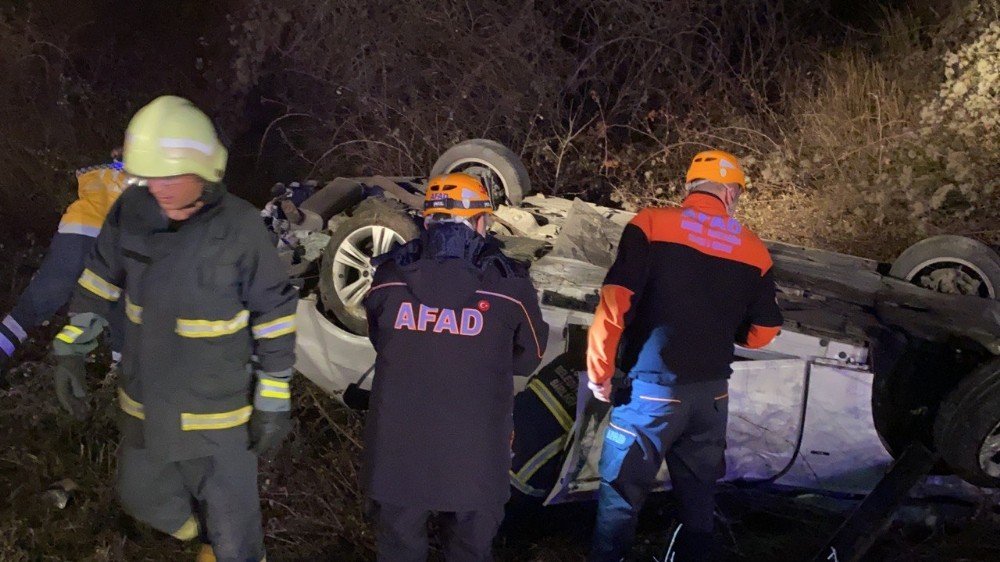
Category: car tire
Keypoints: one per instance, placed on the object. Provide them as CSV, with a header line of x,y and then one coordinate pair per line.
x,y
490,159
345,270
333,198
902,410
948,263
967,428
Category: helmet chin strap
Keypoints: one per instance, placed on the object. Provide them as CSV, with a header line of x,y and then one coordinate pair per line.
x,y
473,223
201,198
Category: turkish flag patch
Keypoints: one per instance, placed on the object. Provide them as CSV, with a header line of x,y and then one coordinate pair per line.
x,y
483,305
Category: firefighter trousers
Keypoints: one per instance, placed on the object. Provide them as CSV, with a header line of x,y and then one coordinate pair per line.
x,y
686,426
212,498
466,536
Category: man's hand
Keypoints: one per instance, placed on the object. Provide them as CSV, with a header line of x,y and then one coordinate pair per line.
x,y
271,421
71,385
602,391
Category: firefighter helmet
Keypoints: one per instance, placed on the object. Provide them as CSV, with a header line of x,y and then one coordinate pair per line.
x,y
171,137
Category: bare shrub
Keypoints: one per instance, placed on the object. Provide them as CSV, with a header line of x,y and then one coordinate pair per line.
x,y
35,135
392,84
888,156
592,93
53,119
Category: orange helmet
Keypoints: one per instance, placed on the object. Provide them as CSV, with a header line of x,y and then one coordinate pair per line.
x,y
716,166
456,195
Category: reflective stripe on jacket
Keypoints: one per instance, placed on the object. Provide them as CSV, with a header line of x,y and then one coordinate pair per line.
x,y
201,296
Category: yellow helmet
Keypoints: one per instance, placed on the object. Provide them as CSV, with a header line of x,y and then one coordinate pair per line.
x,y
715,166
457,195
172,137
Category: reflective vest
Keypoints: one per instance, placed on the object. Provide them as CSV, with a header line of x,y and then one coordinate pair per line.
x,y
98,189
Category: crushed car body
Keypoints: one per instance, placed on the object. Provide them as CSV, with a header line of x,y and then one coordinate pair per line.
x,y
826,407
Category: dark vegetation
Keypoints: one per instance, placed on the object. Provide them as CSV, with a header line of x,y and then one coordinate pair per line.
x,y
864,126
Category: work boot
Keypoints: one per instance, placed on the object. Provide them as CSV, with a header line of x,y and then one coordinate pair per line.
x,y
206,554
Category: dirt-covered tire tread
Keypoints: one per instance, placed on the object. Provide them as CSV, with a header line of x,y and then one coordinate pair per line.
x,y
966,416
508,165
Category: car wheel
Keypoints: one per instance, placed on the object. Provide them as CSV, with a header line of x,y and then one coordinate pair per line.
x,y
346,271
951,264
911,377
502,170
967,428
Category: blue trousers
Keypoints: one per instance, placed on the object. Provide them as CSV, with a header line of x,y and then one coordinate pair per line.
x,y
51,289
686,426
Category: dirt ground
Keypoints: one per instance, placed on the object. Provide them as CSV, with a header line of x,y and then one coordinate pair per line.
x,y
312,510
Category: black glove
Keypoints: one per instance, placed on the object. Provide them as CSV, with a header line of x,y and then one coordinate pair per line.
x,y
268,429
71,385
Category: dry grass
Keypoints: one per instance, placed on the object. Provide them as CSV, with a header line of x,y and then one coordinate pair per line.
x,y
313,510
309,488
862,142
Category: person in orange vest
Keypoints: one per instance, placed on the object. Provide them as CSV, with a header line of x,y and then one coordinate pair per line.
x,y
52,285
687,284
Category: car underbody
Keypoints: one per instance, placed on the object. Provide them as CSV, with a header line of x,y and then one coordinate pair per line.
x,y
869,360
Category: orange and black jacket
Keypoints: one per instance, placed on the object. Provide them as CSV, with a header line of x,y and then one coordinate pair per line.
x,y
687,283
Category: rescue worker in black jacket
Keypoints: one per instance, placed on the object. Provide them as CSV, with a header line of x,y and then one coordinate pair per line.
x,y
687,284
203,289
452,321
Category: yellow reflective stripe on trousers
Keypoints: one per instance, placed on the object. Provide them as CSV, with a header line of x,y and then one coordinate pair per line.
x,y
552,403
69,333
270,388
223,420
190,328
133,311
188,531
95,284
130,406
541,457
275,328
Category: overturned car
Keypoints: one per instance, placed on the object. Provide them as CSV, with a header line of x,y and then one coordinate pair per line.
x,y
872,356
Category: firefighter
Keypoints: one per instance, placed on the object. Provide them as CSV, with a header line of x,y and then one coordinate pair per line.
x,y
203,289
686,284
452,321
98,187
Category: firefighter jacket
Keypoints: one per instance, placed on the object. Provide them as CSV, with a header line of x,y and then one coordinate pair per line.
x,y
98,187
201,296
686,284
452,321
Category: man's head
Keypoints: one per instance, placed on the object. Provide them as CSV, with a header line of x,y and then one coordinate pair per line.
x,y
717,173
458,198
172,146
176,194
